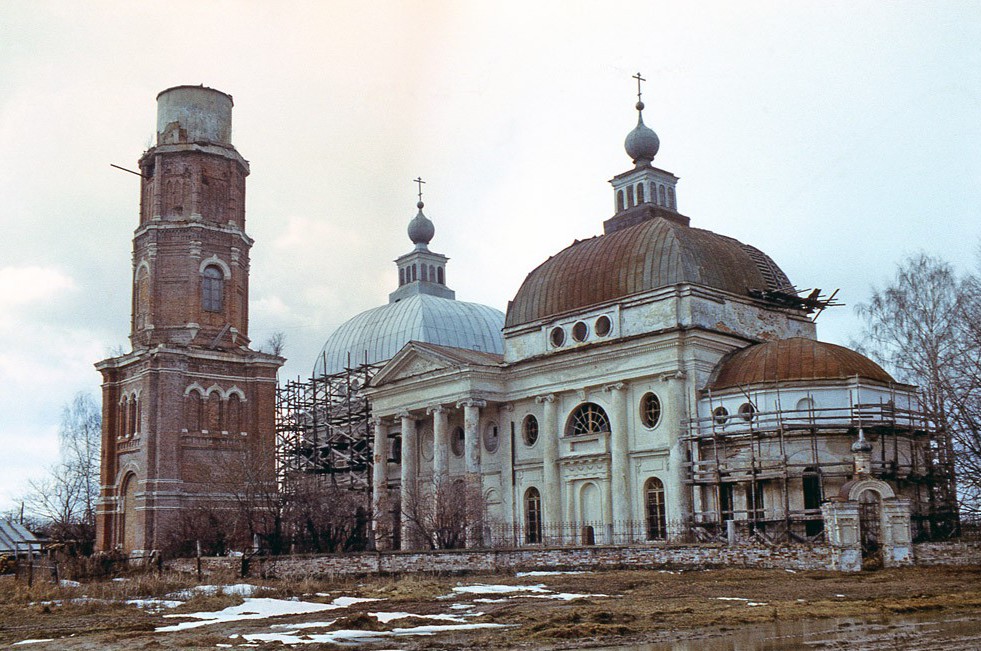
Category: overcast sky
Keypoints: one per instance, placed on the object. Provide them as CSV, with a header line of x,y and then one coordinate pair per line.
x,y
838,137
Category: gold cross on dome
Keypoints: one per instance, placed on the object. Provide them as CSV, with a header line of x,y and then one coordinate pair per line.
x,y
639,79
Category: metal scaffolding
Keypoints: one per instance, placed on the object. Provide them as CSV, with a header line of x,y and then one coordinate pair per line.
x,y
323,429
789,455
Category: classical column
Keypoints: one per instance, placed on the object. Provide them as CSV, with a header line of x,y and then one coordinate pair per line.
x,y
506,442
678,491
471,433
380,516
471,438
410,473
621,509
441,454
549,434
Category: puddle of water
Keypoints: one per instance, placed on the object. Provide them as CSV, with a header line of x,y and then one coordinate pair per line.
x,y
821,634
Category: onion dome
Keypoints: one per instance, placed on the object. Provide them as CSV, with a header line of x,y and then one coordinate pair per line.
x,y
377,334
421,230
642,143
794,359
861,445
640,258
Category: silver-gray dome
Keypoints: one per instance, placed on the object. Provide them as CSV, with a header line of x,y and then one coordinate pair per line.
x,y
642,143
381,332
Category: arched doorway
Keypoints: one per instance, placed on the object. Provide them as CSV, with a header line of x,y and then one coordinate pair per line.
x,y
590,513
870,525
128,514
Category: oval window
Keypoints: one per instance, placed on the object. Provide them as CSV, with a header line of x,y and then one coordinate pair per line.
x,y
580,331
721,415
456,443
529,430
747,411
491,437
650,410
602,326
557,337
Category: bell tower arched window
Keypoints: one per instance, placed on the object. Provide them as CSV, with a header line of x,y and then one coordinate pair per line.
x,y
212,289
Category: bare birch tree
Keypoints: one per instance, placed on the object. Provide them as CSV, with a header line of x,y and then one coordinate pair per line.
x,y
66,497
924,327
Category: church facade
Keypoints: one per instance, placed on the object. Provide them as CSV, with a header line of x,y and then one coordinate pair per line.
x,y
188,414
657,382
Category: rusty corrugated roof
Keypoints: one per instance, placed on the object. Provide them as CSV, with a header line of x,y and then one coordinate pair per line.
x,y
652,254
787,360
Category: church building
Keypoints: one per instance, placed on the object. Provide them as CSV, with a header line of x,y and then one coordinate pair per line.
x,y
657,382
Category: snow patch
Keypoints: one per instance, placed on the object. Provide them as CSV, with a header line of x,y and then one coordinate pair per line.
x,y
38,641
547,573
251,608
498,589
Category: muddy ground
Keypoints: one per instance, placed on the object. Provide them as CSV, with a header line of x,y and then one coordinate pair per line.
x,y
888,609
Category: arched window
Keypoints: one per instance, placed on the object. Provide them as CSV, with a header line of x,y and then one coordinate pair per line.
x,y
660,195
193,407
133,410
212,289
415,274
805,408
142,297
214,412
657,526
671,203
396,449
492,437
587,418
432,274
401,276
439,276
640,193
620,205
425,272
233,416
122,426
811,484
630,196
533,516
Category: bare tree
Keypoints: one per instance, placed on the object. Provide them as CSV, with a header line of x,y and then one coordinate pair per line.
x,y
449,516
66,498
275,344
924,327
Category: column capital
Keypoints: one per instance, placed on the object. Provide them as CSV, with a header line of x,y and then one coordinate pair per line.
x,y
404,413
384,421
615,386
436,409
546,398
472,402
672,375
505,406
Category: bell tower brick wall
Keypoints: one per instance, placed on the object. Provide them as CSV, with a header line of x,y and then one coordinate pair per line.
x,y
188,415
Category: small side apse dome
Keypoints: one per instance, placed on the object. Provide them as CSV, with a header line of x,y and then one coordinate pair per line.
x,y
793,360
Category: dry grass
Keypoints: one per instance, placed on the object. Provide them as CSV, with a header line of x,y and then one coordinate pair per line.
x,y
646,605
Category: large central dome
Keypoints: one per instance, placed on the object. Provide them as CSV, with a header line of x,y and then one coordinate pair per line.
x,y
655,253
377,334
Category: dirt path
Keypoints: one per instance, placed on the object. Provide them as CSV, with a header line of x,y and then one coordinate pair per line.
x,y
910,609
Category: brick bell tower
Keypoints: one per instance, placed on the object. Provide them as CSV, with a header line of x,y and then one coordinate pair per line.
x,y
188,415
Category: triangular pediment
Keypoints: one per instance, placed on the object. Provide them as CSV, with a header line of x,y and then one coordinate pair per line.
x,y
411,361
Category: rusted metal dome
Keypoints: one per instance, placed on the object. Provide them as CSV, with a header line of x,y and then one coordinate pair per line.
x,y
794,359
652,254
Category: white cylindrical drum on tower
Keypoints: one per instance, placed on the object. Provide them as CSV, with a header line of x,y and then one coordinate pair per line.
x,y
188,114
